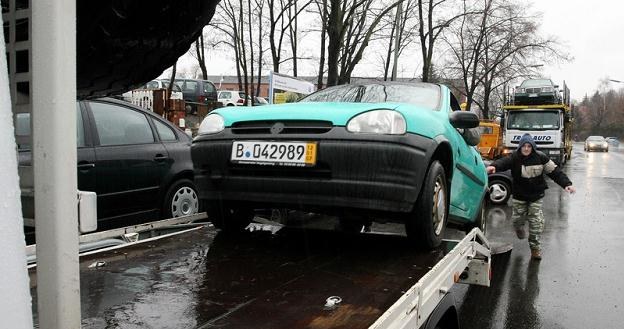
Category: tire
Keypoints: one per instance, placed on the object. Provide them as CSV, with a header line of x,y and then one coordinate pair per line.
x,y
499,191
181,199
227,218
425,225
480,220
123,44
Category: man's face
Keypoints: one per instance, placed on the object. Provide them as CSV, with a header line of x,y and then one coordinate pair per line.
x,y
526,149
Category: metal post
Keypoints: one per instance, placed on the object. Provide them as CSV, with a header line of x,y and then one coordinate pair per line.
x,y
397,41
54,161
15,304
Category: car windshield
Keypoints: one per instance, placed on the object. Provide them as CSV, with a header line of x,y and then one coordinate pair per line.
x,y
536,83
425,95
595,138
533,120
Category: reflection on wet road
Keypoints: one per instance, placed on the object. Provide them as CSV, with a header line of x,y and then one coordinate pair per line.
x,y
578,282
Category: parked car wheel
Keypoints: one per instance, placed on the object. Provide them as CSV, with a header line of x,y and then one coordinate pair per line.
x,y
428,219
499,191
227,218
181,199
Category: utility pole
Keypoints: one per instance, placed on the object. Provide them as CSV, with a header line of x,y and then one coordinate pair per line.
x,y
397,40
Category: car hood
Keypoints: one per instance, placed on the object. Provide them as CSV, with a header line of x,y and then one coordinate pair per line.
x,y
421,120
338,113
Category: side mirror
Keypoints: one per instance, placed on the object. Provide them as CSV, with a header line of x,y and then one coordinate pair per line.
x,y
472,136
461,119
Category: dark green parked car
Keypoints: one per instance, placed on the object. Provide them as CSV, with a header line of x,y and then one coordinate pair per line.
x,y
398,152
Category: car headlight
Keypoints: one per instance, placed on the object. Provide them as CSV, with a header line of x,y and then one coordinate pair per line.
x,y
547,89
605,144
520,90
378,122
212,124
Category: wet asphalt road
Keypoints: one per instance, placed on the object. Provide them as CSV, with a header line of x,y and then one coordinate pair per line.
x,y
578,284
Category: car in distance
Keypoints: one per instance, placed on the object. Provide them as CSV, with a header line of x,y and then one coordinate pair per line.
x,y
613,141
196,92
537,91
138,164
388,152
593,143
231,97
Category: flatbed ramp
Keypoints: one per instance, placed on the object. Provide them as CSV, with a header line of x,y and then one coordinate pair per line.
x,y
205,279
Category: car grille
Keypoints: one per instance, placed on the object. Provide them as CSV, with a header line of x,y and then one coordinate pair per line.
x,y
533,90
286,127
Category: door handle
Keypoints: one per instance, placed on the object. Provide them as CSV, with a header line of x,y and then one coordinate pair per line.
x,y
86,166
160,157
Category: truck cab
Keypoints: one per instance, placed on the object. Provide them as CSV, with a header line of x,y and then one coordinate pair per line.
x,y
549,124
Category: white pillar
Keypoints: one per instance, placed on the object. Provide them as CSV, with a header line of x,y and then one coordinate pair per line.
x,y
15,303
54,162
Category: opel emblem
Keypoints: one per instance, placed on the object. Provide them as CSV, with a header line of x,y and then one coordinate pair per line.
x,y
277,128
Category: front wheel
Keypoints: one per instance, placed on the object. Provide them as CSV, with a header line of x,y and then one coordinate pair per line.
x,y
181,199
499,191
427,222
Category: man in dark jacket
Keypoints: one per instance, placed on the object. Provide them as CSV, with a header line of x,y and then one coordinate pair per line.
x,y
528,166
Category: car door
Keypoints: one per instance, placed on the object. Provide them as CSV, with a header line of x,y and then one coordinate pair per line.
x,y
129,160
466,186
85,167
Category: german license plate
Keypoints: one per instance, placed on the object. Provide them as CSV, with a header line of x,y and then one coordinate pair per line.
x,y
532,95
298,154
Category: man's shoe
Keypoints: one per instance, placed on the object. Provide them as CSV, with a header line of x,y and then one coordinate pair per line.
x,y
520,233
536,254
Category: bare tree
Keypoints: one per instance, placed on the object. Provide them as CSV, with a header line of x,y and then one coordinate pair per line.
x,y
351,25
282,14
493,44
430,28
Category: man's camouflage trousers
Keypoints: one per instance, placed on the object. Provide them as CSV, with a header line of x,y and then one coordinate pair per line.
x,y
532,212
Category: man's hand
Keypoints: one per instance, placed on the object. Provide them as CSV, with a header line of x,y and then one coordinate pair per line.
x,y
570,189
490,169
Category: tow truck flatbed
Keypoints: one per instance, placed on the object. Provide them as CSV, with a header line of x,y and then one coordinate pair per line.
x,y
203,278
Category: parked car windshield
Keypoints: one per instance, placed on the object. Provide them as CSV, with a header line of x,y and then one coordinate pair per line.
x,y
424,95
536,83
529,120
595,138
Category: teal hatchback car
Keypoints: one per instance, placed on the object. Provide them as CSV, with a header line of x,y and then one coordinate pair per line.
x,y
387,152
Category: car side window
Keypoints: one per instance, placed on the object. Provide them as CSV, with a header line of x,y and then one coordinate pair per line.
x,y
80,134
22,128
454,103
165,132
209,87
117,125
190,86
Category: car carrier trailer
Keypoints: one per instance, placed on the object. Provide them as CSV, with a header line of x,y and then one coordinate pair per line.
x,y
272,277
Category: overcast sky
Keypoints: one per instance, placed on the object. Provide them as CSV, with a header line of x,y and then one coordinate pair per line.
x,y
591,30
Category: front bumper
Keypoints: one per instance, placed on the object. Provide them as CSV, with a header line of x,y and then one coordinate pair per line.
x,y
595,147
353,171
